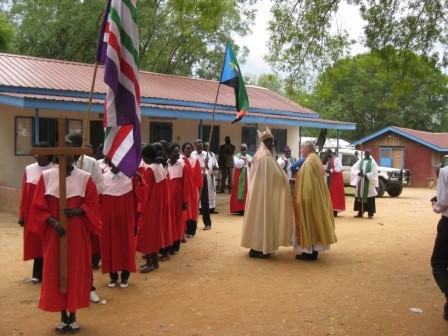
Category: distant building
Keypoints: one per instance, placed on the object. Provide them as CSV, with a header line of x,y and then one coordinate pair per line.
x,y
399,147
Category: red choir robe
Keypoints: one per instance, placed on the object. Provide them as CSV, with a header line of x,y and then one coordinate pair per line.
x,y
179,185
32,242
194,167
118,217
81,193
155,226
337,192
238,197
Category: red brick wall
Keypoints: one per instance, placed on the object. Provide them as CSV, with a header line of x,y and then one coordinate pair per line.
x,y
417,158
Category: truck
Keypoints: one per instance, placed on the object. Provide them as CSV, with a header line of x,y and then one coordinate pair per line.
x,y
390,180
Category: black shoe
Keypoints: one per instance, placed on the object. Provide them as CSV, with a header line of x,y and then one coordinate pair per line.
x,y
207,227
358,216
213,211
258,254
370,216
306,256
335,213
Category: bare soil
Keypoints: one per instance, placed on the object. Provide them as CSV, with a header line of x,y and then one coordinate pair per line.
x,y
365,285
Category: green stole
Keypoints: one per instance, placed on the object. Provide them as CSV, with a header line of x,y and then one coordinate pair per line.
x,y
292,160
242,177
365,192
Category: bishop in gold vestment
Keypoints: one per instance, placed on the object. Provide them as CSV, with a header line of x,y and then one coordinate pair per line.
x,y
268,217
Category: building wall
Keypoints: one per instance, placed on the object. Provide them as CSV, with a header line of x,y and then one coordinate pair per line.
x,y
13,166
418,158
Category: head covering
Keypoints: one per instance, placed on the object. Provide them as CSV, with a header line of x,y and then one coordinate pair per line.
x,y
286,149
265,135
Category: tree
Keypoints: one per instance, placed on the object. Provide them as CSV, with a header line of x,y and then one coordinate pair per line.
x,y
6,33
59,29
381,89
306,39
181,37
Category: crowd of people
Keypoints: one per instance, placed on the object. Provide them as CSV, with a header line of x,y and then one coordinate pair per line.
x,y
284,201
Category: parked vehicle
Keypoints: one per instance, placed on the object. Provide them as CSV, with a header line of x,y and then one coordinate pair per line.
x,y
390,180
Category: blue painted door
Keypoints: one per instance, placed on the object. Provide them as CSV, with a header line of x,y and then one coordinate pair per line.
x,y
386,157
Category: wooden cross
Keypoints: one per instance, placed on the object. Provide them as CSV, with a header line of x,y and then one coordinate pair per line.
x,y
61,153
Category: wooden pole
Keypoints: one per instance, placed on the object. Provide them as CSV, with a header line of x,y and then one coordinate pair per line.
x,y
61,152
86,135
62,206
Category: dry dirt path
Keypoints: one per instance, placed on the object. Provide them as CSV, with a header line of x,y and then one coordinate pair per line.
x,y
365,285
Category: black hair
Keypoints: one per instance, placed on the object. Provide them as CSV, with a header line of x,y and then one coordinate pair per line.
x,y
171,146
45,144
75,138
185,144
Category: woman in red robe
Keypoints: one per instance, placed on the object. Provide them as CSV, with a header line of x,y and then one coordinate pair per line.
x,y
83,218
118,217
241,178
180,185
194,167
32,242
155,227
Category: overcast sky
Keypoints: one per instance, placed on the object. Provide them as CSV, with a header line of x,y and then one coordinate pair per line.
x,y
256,42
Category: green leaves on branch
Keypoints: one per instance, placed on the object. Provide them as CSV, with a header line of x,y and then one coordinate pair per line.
x,y
181,37
306,37
381,89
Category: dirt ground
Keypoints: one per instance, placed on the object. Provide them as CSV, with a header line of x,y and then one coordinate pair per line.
x,y
365,285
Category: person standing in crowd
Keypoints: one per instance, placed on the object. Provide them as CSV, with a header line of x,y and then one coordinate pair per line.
x,y
335,181
287,161
194,166
312,208
439,258
268,218
213,163
83,217
241,180
179,180
364,177
91,166
155,227
118,217
207,181
226,164
32,242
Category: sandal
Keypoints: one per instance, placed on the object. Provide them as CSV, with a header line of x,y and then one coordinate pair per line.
x,y
61,328
74,327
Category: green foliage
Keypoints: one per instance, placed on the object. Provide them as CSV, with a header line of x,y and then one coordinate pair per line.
x,y
180,37
6,33
60,29
382,89
306,38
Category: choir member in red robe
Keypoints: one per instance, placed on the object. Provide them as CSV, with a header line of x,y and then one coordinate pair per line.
x,y
118,217
82,218
194,166
155,227
180,183
32,242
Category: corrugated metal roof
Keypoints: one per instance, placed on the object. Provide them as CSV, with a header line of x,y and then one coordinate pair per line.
x,y
56,81
31,72
436,141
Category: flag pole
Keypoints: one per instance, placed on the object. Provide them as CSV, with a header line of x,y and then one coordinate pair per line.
x,y
85,136
214,107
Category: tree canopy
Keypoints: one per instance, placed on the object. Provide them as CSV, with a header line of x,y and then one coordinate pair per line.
x,y
182,37
383,88
306,36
